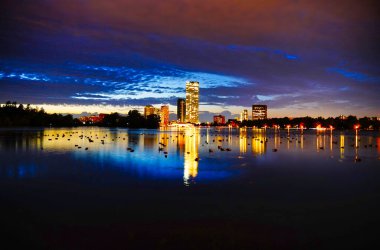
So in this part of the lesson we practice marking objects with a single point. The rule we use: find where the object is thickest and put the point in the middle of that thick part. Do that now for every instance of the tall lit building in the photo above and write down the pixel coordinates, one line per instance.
(181, 110)
(149, 110)
(164, 115)
(259, 112)
(192, 102)
(245, 115)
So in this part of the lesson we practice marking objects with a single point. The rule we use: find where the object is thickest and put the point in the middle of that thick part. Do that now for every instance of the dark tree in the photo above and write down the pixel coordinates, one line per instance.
(152, 121)
(135, 119)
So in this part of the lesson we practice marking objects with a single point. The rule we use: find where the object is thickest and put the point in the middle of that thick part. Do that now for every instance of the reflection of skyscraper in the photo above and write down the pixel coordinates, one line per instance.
(181, 110)
(150, 141)
(243, 140)
(180, 143)
(259, 112)
(164, 115)
(192, 140)
(258, 142)
(192, 102)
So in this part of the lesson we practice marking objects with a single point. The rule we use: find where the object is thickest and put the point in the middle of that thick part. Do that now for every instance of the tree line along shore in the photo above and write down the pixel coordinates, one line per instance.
(18, 115)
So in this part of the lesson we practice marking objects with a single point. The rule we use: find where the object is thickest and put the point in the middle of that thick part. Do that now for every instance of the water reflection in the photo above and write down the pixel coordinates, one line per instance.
(357, 146)
(259, 141)
(277, 139)
(341, 145)
(189, 154)
(243, 140)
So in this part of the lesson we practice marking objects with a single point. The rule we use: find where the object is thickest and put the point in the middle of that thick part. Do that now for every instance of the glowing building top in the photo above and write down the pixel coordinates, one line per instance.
(148, 110)
(259, 112)
(192, 102)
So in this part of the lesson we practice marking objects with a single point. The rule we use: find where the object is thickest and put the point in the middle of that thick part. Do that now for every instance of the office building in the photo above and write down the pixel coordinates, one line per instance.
(192, 102)
(181, 110)
(245, 115)
(259, 112)
(149, 110)
(164, 116)
(219, 119)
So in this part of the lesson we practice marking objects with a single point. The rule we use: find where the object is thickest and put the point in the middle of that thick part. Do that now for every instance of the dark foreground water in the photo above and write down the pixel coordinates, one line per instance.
(95, 188)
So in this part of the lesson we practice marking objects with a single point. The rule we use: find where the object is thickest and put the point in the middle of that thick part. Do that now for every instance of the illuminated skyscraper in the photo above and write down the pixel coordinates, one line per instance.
(192, 102)
(149, 110)
(181, 110)
(259, 112)
(245, 115)
(164, 115)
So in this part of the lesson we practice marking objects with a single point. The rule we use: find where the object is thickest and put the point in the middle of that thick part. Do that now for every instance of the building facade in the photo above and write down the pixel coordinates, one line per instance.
(149, 110)
(219, 119)
(92, 119)
(164, 115)
(181, 110)
(192, 102)
(259, 112)
(245, 115)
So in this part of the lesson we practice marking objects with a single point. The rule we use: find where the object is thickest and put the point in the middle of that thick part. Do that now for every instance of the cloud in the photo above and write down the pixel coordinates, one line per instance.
(291, 55)
(361, 77)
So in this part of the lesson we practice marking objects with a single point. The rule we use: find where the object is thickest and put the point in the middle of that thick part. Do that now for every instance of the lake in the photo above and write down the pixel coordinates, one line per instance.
(212, 188)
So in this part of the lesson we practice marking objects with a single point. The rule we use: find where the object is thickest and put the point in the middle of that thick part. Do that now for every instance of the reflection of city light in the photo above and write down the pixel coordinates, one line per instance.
(192, 140)
(341, 146)
(258, 142)
(243, 140)
(320, 142)
(277, 140)
(356, 145)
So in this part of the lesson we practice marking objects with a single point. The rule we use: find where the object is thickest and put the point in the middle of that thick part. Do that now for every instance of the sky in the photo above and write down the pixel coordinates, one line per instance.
(316, 58)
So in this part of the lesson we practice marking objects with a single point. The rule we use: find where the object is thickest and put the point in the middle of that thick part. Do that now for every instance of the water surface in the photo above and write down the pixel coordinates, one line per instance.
(213, 188)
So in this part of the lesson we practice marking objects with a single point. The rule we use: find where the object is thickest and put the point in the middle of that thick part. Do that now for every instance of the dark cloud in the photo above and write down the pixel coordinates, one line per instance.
(314, 56)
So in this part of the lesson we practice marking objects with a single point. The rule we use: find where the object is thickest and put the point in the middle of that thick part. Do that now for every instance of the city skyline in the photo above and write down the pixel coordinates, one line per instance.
(299, 58)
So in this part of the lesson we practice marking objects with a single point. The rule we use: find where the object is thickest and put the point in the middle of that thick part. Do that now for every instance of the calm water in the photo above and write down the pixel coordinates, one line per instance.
(184, 155)
(160, 187)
